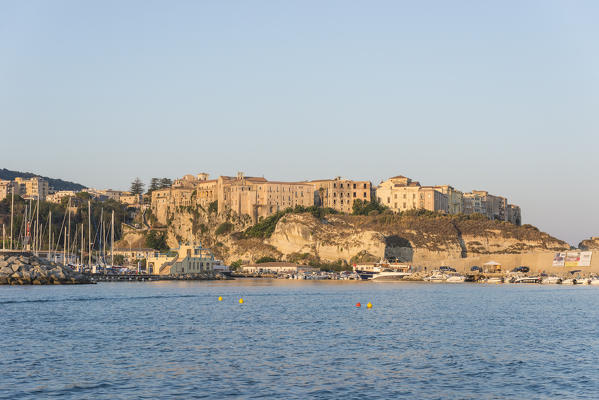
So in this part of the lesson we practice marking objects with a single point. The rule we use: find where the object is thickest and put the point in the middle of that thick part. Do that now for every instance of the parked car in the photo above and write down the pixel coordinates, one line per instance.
(445, 268)
(476, 268)
(522, 269)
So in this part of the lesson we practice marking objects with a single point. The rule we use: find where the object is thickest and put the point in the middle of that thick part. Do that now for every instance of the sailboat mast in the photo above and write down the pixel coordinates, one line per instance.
(89, 232)
(3, 238)
(12, 212)
(37, 227)
(112, 241)
(49, 235)
(64, 248)
(69, 225)
(82, 244)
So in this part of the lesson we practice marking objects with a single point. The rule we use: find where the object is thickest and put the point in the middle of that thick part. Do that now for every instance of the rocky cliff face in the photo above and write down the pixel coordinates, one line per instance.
(589, 244)
(348, 238)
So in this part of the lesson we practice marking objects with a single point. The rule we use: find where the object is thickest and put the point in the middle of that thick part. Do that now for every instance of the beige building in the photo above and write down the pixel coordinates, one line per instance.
(58, 196)
(260, 198)
(31, 188)
(5, 189)
(187, 259)
(340, 194)
(399, 194)
(454, 198)
(252, 196)
(433, 200)
(277, 268)
(132, 200)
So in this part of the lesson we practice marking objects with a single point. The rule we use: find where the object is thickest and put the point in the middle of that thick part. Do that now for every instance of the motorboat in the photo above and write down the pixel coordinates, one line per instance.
(568, 281)
(389, 275)
(437, 276)
(551, 280)
(456, 279)
(581, 281)
(528, 279)
(594, 281)
(494, 279)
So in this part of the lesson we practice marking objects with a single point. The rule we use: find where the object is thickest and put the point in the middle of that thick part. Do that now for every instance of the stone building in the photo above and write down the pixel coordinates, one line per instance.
(5, 189)
(31, 188)
(400, 193)
(260, 198)
(340, 194)
(454, 198)
(58, 196)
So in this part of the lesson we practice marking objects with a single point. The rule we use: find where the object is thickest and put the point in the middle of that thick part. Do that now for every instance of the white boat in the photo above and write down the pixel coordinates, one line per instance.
(551, 280)
(581, 281)
(494, 279)
(436, 277)
(594, 281)
(389, 275)
(568, 281)
(456, 279)
(528, 279)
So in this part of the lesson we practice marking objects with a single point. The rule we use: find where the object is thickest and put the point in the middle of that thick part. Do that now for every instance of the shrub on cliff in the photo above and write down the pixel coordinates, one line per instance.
(224, 228)
(266, 259)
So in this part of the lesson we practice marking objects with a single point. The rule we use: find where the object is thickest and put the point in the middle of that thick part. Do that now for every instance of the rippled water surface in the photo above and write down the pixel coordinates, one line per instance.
(299, 340)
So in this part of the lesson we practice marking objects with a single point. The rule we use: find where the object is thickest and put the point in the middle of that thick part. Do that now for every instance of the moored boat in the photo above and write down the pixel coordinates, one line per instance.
(456, 279)
(551, 280)
(528, 279)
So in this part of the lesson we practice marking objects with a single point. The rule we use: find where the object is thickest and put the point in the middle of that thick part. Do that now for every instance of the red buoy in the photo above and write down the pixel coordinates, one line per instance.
(358, 305)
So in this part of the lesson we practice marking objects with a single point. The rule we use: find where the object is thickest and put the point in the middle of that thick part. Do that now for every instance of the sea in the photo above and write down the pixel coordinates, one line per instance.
(299, 340)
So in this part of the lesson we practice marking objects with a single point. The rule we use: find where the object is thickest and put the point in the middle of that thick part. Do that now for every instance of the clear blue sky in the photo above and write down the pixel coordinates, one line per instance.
(501, 96)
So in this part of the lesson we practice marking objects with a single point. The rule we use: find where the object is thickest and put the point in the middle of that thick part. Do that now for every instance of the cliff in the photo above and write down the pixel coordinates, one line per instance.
(342, 239)
(589, 244)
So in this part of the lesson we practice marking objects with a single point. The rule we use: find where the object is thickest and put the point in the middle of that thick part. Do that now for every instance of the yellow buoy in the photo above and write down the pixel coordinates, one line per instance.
(240, 301)
(369, 305)
(220, 298)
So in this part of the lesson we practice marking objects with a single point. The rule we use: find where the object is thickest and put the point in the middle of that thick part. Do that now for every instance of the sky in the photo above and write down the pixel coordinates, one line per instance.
(497, 96)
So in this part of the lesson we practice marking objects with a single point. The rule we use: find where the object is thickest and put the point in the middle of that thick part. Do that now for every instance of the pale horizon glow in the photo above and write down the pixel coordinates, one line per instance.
(500, 97)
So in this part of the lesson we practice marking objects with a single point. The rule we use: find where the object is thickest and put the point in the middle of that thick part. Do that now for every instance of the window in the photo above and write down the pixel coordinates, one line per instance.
(354, 185)
(365, 195)
(340, 194)
(334, 185)
(388, 200)
(354, 194)
(364, 186)
(395, 206)
(342, 201)
(395, 196)
(341, 185)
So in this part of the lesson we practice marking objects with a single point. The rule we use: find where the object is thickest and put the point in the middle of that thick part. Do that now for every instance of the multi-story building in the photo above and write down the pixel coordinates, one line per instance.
(433, 200)
(454, 198)
(32, 188)
(514, 214)
(340, 194)
(260, 198)
(58, 196)
(5, 189)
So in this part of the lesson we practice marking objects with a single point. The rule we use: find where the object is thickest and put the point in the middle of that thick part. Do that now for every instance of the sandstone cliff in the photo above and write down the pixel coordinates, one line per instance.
(343, 239)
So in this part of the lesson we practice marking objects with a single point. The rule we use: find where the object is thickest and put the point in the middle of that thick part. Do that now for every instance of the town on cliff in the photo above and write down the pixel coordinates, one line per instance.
(331, 224)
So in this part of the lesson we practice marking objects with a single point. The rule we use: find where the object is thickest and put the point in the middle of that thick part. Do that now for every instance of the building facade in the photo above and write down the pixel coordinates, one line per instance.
(340, 194)
(31, 188)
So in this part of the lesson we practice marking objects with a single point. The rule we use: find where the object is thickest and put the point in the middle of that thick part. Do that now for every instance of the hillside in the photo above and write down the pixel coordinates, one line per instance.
(321, 238)
(57, 184)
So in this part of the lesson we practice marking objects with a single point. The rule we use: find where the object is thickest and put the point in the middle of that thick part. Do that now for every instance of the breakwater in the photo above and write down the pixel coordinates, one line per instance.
(27, 269)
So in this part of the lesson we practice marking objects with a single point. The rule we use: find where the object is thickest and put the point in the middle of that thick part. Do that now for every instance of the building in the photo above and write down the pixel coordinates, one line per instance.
(340, 194)
(32, 188)
(252, 196)
(433, 200)
(277, 268)
(454, 198)
(399, 193)
(131, 200)
(5, 189)
(132, 254)
(260, 198)
(514, 214)
(187, 259)
(473, 203)
(58, 196)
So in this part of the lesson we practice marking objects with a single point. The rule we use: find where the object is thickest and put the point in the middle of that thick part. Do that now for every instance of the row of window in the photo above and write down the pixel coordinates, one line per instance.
(349, 185)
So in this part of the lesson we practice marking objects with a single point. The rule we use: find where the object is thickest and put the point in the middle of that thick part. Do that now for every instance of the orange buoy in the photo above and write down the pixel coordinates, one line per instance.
(358, 305)
(369, 305)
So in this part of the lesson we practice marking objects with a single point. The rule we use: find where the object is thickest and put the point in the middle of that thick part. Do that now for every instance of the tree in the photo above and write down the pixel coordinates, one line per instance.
(137, 186)
(165, 183)
(154, 185)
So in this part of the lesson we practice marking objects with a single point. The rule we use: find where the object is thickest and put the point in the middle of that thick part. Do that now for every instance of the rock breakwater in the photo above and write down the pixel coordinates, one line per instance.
(26, 269)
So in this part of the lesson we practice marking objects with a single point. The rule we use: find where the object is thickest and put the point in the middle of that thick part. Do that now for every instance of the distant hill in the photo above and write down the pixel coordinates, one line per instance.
(57, 184)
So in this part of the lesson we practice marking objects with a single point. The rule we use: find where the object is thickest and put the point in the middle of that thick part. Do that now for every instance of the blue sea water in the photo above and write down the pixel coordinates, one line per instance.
(299, 340)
